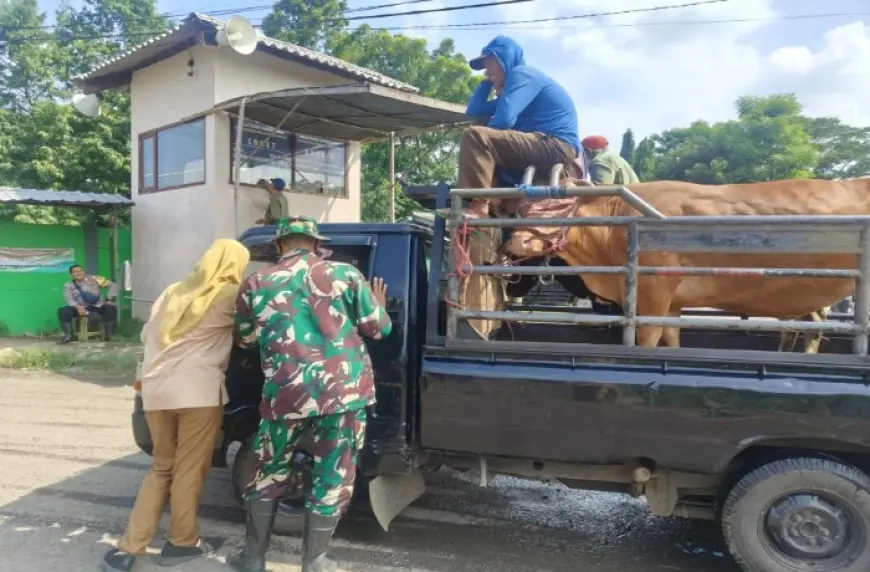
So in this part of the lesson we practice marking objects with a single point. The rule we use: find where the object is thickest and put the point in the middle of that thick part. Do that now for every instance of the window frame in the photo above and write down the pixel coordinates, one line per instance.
(292, 167)
(152, 135)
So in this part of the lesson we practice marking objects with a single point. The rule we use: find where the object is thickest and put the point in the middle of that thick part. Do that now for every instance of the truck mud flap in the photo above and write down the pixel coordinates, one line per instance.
(389, 495)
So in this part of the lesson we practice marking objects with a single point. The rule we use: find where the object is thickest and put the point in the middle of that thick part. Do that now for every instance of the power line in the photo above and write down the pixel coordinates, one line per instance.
(486, 26)
(240, 9)
(446, 9)
(576, 17)
(392, 5)
(256, 8)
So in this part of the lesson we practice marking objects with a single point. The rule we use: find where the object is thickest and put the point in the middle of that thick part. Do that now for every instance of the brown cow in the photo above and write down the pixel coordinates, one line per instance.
(779, 297)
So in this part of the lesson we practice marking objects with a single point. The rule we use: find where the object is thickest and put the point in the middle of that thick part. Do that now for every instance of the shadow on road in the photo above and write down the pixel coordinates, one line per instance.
(515, 525)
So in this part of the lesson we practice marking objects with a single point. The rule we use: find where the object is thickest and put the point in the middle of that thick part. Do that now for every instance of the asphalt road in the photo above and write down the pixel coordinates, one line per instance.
(69, 472)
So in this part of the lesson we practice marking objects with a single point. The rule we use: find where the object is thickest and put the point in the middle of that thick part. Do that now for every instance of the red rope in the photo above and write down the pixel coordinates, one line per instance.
(461, 258)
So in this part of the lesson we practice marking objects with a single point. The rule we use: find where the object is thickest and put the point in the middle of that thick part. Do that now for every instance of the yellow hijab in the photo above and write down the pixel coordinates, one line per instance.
(217, 275)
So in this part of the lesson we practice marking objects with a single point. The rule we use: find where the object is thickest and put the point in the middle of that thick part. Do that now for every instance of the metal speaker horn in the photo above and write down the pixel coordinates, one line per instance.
(88, 105)
(240, 35)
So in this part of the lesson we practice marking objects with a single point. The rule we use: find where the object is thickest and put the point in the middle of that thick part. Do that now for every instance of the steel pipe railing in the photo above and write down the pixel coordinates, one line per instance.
(654, 220)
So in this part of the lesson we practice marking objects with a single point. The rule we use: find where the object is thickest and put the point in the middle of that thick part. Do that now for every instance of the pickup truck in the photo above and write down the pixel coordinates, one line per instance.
(776, 446)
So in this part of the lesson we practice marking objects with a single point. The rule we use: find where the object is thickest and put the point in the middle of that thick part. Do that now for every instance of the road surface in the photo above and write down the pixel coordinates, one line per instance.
(70, 472)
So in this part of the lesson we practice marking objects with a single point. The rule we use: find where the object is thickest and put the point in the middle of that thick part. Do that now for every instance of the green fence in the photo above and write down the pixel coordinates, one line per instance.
(29, 298)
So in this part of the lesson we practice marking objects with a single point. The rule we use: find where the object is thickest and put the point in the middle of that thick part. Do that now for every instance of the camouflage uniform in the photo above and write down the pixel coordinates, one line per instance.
(307, 314)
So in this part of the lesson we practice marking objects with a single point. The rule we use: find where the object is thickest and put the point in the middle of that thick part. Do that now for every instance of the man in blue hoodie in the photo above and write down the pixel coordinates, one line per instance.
(531, 121)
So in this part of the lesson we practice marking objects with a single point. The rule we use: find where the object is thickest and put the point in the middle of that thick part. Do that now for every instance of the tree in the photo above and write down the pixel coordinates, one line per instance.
(47, 145)
(768, 141)
(311, 24)
(442, 73)
(627, 150)
(844, 151)
(29, 55)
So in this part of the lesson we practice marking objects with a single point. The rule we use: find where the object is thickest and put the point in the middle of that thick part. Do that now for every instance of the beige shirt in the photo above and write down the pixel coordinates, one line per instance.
(190, 371)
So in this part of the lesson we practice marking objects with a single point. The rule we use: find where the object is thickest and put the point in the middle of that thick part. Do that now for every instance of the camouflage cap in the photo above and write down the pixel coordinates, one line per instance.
(301, 224)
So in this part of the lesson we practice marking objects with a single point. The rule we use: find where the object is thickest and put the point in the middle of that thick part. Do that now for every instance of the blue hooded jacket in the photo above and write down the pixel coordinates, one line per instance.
(531, 102)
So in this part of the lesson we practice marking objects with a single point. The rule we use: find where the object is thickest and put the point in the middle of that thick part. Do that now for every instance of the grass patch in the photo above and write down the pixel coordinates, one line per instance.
(62, 361)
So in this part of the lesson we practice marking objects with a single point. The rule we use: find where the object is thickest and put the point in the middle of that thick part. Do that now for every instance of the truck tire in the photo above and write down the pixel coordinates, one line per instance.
(800, 515)
(287, 521)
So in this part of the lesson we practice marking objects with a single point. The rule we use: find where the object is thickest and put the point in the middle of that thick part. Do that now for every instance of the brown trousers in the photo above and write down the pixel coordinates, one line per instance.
(482, 151)
(183, 447)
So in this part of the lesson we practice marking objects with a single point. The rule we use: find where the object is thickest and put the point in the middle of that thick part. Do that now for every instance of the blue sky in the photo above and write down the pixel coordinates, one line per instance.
(653, 71)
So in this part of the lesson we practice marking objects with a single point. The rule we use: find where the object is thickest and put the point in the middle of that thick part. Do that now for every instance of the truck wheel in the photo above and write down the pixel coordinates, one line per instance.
(287, 521)
(800, 515)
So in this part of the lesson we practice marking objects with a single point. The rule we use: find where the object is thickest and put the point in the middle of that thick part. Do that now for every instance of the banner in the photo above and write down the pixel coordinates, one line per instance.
(36, 259)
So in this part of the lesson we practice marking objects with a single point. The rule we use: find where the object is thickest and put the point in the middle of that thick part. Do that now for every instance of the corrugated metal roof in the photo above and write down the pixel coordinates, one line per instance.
(60, 198)
(184, 30)
(363, 113)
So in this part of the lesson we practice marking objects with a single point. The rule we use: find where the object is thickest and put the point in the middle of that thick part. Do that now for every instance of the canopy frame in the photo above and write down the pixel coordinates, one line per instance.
(415, 115)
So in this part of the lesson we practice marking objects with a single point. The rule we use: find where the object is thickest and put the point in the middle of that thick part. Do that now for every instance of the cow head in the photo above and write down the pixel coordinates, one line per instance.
(540, 240)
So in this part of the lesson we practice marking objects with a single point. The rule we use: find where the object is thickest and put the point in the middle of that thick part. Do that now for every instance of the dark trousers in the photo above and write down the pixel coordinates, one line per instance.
(108, 312)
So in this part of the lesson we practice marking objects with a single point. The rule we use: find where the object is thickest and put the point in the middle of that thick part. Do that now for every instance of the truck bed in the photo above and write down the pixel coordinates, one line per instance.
(684, 409)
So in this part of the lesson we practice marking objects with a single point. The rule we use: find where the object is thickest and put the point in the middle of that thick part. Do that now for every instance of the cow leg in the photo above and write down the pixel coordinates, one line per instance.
(671, 336)
(788, 341)
(813, 340)
(650, 336)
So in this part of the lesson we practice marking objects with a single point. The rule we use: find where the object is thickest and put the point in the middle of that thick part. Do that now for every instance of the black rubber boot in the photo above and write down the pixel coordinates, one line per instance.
(110, 330)
(67, 332)
(258, 531)
(315, 543)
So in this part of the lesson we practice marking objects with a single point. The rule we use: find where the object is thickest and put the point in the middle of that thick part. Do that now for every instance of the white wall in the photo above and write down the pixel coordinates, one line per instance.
(172, 229)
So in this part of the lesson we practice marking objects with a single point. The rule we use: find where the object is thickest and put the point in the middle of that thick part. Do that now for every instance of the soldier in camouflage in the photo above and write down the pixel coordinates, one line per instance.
(307, 314)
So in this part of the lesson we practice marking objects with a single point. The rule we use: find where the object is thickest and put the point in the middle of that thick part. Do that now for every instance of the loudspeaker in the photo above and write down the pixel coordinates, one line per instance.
(240, 35)
(88, 105)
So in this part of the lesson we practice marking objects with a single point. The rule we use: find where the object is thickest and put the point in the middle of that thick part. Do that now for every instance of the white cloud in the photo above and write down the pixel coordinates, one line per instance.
(635, 70)
(652, 77)
(835, 80)
(643, 71)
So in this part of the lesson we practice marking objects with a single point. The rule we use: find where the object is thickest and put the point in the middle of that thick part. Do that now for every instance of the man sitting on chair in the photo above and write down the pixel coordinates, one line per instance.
(83, 294)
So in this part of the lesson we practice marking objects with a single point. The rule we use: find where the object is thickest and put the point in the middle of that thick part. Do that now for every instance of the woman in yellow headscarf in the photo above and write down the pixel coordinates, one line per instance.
(187, 341)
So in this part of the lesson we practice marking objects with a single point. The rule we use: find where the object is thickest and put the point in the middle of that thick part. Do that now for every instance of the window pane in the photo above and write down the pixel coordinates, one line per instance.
(147, 166)
(181, 155)
(320, 166)
(266, 153)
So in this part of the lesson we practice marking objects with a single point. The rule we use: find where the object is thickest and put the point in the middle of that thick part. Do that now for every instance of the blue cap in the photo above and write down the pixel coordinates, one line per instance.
(279, 184)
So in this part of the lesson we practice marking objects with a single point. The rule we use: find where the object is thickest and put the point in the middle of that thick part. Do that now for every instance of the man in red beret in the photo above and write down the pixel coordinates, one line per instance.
(606, 167)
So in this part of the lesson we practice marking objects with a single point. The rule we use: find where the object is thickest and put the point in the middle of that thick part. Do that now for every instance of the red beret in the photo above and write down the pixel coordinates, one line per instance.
(595, 142)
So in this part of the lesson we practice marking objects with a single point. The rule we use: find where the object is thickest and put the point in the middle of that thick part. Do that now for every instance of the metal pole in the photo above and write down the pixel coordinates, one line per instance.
(116, 271)
(456, 216)
(392, 177)
(631, 265)
(237, 166)
(861, 315)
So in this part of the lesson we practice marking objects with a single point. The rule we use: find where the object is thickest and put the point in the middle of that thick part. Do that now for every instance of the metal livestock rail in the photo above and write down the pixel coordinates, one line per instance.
(655, 232)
